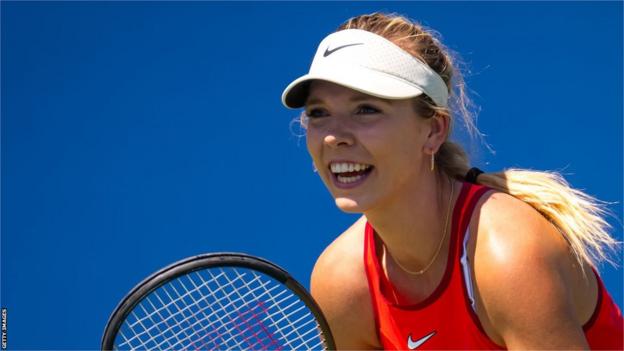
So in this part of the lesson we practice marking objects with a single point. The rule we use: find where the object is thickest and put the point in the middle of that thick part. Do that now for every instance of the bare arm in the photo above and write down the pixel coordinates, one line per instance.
(522, 271)
(339, 285)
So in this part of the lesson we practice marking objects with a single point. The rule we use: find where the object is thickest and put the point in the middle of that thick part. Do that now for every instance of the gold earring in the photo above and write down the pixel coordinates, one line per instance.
(432, 161)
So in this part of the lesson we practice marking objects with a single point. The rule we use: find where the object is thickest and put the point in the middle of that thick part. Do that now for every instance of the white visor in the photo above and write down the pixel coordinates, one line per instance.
(370, 64)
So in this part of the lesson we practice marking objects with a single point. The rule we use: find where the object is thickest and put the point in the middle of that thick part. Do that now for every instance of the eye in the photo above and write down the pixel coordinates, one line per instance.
(367, 110)
(316, 112)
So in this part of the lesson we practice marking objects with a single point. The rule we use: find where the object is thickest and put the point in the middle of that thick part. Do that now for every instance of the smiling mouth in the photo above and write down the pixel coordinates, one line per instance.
(347, 173)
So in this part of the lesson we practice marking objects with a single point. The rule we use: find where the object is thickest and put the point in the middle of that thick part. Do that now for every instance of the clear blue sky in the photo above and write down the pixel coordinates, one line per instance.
(135, 134)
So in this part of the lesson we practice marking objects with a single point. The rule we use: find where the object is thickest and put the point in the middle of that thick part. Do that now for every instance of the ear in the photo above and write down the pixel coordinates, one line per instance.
(438, 130)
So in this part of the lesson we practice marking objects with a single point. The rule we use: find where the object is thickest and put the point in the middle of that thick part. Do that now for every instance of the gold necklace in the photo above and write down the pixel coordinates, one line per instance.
(448, 211)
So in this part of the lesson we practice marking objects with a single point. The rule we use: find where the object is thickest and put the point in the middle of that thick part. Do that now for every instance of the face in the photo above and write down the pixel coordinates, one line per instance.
(368, 151)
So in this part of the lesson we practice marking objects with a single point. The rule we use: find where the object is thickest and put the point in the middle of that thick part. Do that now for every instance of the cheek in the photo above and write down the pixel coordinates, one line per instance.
(313, 143)
(397, 148)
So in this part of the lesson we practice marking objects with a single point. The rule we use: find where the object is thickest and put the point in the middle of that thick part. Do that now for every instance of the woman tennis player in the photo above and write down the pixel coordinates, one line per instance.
(445, 256)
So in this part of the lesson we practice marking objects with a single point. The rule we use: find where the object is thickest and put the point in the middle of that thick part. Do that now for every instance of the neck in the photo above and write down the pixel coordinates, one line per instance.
(412, 224)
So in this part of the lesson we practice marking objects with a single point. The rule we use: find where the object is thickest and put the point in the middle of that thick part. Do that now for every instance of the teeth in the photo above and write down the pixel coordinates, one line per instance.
(348, 179)
(348, 167)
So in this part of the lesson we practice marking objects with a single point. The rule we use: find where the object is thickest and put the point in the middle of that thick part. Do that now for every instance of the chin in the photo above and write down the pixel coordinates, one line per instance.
(348, 205)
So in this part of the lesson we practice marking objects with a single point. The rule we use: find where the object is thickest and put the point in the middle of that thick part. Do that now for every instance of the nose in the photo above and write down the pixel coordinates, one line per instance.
(336, 140)
(338, 136)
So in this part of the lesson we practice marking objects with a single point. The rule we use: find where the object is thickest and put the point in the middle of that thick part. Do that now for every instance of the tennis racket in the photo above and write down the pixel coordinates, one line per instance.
(221, 301)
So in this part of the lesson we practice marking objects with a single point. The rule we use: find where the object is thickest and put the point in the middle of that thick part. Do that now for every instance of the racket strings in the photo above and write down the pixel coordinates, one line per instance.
(192, 315)
(144, 336)
(209, 339)
(196, 303)
(167, 321)
(221, 309)
(174, 330)
(273, 344)
(268, 293)
(159, 309)
(151, 318)
(221, 324)
(287, 319)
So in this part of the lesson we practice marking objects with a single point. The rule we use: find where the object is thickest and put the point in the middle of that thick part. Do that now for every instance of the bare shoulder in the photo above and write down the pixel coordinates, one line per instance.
(514, 237)
(524, 272)
(340, 287)
(513, 230)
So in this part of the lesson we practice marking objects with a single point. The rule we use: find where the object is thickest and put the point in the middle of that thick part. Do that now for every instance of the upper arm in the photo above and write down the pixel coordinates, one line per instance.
(519, 272)
(338, 284)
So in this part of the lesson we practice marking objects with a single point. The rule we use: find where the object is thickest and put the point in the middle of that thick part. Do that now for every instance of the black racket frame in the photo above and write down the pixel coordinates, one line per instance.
(210, 260)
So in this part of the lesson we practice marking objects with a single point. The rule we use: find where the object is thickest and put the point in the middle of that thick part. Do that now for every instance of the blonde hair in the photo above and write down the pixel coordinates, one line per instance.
(578, 216)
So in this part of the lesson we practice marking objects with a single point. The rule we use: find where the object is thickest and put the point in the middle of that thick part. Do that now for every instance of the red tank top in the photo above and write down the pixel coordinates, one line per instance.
(446, 319)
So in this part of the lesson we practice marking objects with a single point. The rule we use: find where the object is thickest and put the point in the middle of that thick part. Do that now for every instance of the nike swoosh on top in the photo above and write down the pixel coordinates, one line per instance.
(329, 52)
(411, 344)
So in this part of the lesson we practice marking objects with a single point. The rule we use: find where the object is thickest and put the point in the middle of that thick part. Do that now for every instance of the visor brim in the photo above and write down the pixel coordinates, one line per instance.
(361, 79)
